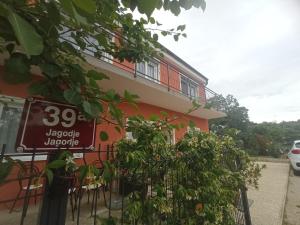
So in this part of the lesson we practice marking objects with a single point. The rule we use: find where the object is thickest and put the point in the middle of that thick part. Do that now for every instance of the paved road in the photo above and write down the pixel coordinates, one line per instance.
(292, 207)
(269, 199)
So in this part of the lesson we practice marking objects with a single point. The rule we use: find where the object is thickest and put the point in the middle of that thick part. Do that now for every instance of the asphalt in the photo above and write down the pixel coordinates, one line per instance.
(269, 199)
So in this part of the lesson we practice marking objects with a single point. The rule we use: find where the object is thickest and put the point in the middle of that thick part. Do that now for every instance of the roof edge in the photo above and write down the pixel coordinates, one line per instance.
(176, 57)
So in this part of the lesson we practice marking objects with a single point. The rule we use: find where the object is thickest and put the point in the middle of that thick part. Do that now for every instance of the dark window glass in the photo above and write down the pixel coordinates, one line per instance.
(184, 85)
(140, 67)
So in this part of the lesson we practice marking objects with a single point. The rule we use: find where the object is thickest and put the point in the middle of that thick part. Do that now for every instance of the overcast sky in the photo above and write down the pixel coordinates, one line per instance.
(247, 48)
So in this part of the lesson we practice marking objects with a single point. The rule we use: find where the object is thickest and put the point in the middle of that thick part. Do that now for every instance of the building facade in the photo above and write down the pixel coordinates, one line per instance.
(167, 84)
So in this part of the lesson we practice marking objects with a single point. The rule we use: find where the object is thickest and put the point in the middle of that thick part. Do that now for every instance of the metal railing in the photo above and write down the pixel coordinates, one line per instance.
(171, 82)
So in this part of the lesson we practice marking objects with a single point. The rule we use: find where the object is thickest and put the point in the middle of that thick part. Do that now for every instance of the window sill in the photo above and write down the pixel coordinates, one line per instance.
(28, 158)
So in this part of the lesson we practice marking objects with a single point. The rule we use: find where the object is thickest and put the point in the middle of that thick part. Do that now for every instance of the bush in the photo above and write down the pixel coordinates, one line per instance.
(195, 181)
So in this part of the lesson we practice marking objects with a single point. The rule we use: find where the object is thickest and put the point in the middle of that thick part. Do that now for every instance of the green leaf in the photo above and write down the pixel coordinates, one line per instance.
(107, 171)
(69, 8)
(5, 169)
(164, 114)
(93, 109)
(96, 75)
(176, 37)
(49, 175)
(152, 20)
(17, 69)
(192, 124)
(196, 104)
(181, 27)
(164, 33)
(200, 3)
(76, 73)
(103, 136)
(159, 4)
(83, 170)
(147, 6)
(67, 5)
(54, 13)
(154, 117)
(129, 97)
(51, 70)
(116, 113)
(64, 155)
(88, 6)
(175, 8)
(87, 107)
(26, 34)
(38, 88)
(112, 96)
(186, 4)
(118, 129)
(94, 84)
(10, 48)
(56, 164)
(72, 96)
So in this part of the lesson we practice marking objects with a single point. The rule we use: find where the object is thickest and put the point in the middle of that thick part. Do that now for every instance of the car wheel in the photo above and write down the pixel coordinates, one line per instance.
(296, 173)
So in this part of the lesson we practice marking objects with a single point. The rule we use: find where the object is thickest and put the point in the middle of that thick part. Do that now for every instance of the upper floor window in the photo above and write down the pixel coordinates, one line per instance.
(189, 87)
(149, 70)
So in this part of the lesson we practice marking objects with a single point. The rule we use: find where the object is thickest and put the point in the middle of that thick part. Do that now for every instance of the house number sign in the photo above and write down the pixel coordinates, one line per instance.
(46, 126)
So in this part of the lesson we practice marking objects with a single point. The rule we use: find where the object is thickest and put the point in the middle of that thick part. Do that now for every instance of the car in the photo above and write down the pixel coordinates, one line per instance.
(294, 156)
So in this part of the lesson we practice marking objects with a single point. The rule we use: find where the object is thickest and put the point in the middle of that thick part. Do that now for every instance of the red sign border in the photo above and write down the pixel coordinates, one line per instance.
(23, 148)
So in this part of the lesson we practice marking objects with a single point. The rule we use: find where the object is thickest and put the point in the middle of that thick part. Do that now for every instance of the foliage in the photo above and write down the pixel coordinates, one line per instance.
(273, 139)
(195, 181)
(221, 169)
(56, 35)
(6, 166)
(237, 116)
(64, 165)
(265, 139)
(151, 147)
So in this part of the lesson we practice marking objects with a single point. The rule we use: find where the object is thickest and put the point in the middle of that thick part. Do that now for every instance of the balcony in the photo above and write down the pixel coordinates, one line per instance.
(162, 88)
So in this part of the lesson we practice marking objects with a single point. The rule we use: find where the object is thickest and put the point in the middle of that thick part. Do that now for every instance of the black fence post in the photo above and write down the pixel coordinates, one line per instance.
(246, 206)
(244, 198)
(54, 205)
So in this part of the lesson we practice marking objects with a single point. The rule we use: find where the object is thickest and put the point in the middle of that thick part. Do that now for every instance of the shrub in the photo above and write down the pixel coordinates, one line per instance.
(196, 181)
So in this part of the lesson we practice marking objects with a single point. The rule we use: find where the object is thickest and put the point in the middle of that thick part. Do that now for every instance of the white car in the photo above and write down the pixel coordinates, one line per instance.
(294, 156)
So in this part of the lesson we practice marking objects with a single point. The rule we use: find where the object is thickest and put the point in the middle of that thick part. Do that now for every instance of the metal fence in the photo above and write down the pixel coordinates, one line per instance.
(84, 202)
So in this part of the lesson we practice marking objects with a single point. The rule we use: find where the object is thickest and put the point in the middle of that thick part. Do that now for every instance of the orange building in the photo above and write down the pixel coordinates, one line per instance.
(168, 84)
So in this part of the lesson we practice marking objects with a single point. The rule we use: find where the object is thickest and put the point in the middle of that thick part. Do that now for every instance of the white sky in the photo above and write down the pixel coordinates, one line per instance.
(248, 48)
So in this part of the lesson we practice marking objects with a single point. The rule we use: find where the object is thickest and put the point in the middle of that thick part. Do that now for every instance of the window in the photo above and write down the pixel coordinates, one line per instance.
(91, 50)
(10, 116)
(170, 135)
(141, 67)
(189, 129)
(184, 85)
(189, 87)
(193, 90)
(297, 144)
(106, 57)
(149, 70)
